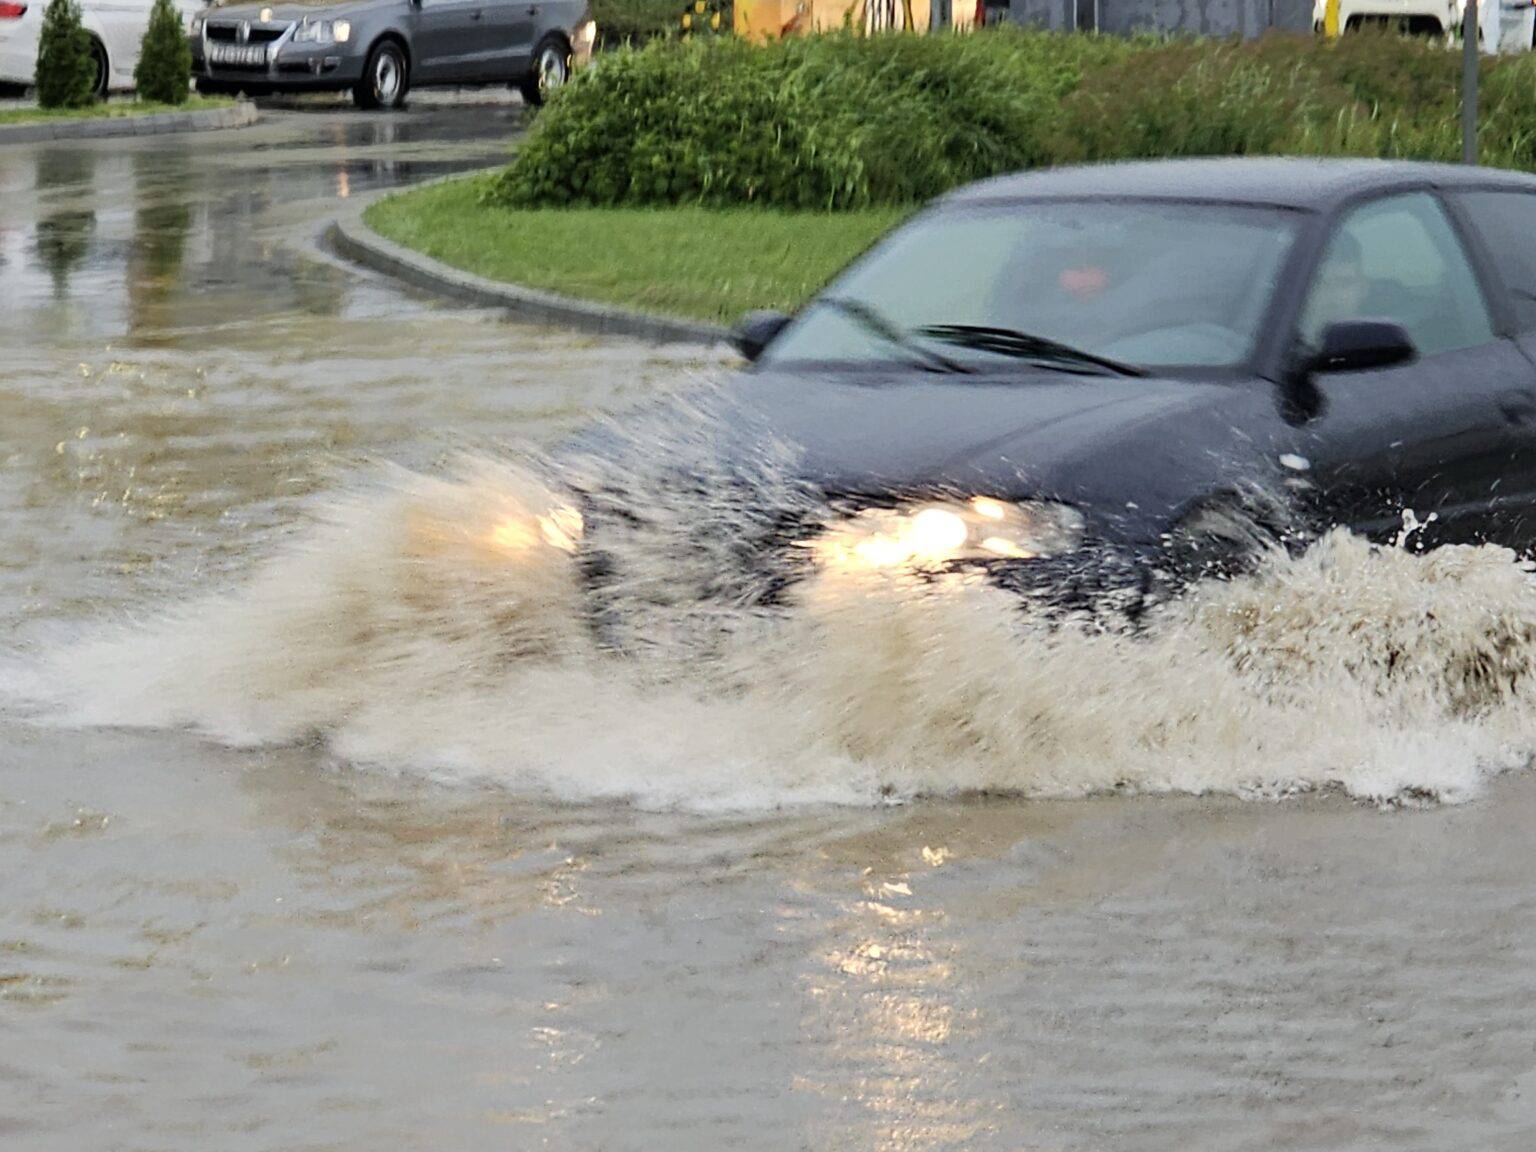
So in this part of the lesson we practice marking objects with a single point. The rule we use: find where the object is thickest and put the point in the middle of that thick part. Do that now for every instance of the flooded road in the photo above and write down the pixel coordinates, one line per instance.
(209, 947)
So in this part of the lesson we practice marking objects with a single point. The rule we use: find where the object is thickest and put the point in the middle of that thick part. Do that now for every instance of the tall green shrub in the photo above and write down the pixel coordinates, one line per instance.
(832, 121)
(65, 72)
(164, 71)
(843, 121)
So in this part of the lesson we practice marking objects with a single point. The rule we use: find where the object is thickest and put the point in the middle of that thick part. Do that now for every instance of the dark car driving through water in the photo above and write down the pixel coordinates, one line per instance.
(380, 49)
(1170, 360)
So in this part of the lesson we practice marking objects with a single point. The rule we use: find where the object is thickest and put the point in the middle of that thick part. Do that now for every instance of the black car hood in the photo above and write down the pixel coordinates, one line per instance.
(913, 430)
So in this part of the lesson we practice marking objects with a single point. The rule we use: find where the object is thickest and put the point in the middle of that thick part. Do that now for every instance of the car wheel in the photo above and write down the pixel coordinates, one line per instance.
(100, 75)
(385, 78)
(551, 69)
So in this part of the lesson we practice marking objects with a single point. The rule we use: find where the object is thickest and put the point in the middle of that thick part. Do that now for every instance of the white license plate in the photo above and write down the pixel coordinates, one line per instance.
(245, 55)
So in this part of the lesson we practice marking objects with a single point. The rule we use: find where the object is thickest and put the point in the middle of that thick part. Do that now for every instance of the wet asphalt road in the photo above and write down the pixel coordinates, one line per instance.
(175, 343)
(136, 240)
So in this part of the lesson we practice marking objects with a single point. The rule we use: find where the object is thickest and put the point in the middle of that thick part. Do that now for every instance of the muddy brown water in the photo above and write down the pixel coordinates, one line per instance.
(207, 947)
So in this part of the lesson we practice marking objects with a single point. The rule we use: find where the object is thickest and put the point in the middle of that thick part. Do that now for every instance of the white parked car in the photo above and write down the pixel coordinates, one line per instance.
(1422, 17)
(116, 27)
(1503, 25)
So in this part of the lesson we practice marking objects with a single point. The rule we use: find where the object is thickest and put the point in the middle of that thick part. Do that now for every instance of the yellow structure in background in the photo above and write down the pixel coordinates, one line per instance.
(764, 20)
(1331, 18)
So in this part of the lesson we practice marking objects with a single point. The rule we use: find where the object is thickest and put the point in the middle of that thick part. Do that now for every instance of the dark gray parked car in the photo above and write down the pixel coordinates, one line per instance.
(380, 49)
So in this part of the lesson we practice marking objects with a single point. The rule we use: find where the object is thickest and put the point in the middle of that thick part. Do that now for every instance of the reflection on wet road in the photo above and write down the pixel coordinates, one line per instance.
(210, 948)
(145, 242)
(182, 363)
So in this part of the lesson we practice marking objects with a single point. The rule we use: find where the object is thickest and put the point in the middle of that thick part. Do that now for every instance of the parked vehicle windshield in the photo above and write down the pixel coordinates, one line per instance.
(1085, 286)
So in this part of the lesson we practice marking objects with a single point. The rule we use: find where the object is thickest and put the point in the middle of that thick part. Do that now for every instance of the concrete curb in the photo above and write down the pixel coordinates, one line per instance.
(154, 124)
(350, 238)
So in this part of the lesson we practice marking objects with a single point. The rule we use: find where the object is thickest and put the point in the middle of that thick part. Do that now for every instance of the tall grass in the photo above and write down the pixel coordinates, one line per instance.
(826, 122)
(840, 121)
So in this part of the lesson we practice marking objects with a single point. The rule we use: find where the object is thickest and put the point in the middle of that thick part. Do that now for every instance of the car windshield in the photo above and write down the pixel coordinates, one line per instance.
(1088, 286)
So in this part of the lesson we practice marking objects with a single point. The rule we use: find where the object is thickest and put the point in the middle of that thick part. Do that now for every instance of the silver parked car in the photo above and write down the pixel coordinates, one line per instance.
(380, 49)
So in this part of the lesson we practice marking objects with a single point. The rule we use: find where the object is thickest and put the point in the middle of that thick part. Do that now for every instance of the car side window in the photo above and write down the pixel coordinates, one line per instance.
(1507, 223)
(1399, 259)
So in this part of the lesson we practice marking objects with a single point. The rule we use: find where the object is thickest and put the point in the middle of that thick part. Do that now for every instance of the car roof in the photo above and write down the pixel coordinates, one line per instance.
(1291, 182)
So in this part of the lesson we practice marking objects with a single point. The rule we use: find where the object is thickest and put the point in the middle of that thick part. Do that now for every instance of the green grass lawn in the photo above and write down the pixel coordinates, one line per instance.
(709, 264)
(110, 110)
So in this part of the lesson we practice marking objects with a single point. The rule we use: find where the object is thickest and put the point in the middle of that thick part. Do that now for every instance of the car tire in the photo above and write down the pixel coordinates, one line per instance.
(386, 78)
(101, 74)
(551, 69)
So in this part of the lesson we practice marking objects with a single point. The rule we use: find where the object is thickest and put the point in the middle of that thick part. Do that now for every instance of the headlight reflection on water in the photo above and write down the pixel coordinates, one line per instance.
(931, 535)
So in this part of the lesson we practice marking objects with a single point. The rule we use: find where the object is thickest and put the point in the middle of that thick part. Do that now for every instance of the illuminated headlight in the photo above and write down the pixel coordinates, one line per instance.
(323, 32)
(930, 535)
(587, 33)
(560, 527)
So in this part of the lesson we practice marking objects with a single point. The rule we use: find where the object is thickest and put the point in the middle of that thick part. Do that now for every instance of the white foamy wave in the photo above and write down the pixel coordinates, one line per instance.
(445, 626)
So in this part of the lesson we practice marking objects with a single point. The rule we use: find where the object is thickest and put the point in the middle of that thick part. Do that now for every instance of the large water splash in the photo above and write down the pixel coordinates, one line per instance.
(450, 626)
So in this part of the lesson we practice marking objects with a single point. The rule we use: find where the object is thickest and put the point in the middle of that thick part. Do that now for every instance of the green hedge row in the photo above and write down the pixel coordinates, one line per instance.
(841, 121)
(66, 68)
(828, 121)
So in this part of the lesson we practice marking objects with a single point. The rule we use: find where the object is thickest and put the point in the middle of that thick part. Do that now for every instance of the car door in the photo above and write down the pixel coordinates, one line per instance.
(448, 40)
(509, 26)
(1503, 222)
(1436, 437)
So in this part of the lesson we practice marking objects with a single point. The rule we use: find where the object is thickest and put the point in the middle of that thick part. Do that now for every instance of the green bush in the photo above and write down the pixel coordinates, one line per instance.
(841, 121)
(834, 121)
(1364, 94)
(66, 74)
(164, 71)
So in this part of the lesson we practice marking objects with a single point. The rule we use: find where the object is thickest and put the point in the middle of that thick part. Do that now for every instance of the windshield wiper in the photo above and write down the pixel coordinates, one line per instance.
(871, 321)
(1023, 346)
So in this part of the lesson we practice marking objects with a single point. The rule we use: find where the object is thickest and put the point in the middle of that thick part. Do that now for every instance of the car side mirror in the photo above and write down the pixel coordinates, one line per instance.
(755, 330)
(1361, 345)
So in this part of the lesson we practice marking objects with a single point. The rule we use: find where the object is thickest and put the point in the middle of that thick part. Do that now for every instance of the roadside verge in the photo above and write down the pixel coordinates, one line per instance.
(238, 115)
(349, 237)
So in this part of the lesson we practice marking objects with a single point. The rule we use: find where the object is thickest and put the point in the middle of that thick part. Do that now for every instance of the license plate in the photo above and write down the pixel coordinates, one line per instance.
(244, 55)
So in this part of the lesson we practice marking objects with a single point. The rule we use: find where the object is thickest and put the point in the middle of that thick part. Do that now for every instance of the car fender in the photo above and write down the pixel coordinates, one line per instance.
(118, 25)
(373, 33)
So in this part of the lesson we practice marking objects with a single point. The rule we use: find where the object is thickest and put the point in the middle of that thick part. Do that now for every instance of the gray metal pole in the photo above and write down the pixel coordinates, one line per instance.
(1469, 82)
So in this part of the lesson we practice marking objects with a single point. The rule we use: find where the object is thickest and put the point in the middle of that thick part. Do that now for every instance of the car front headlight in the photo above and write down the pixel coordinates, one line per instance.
(322, 32)
(196, 27)
(944, 532)
(587, 33)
